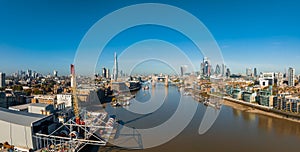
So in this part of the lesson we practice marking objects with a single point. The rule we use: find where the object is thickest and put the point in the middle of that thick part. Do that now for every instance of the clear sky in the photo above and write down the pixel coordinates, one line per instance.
(44, 35)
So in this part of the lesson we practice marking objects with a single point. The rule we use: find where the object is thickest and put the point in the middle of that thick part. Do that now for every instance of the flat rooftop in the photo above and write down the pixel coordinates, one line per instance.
(19, 117)
(39, 104)
(21, 107)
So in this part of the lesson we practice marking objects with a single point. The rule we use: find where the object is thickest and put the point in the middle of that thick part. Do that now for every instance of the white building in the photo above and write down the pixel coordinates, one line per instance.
(279, 78)
(64, 98)
(55, 73)
(263, 83)
(270, 76)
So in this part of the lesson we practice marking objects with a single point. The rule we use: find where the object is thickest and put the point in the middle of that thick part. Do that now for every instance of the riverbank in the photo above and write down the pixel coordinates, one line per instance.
(258, 109)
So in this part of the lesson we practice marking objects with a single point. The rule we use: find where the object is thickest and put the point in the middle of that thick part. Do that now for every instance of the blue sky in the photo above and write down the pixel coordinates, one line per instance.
(44, 35)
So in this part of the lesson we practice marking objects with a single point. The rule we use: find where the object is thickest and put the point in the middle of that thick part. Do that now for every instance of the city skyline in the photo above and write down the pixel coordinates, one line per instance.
(35, 34)
(149, 75)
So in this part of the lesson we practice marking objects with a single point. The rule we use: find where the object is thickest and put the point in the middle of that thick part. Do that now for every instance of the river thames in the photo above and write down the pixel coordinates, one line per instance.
(233, 130)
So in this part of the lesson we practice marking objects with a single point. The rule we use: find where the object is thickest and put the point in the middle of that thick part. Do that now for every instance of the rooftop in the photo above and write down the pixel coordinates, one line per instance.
(19, 117)
(39, 104)
(20, 107)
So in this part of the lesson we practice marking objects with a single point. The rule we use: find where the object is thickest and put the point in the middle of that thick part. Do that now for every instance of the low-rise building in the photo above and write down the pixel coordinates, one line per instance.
(286, 102)
(41, 108)
(249, 96)
(47, 99)
(292, 104)
(9, 98)
(237, 94)
(265, 98)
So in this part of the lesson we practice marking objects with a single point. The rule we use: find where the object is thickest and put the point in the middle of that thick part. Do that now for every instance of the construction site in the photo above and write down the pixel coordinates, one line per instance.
(67, 130)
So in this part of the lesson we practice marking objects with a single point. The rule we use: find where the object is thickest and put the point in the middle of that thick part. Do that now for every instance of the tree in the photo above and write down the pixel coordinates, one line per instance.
(28, 92)
(17, 88)
(37, 91)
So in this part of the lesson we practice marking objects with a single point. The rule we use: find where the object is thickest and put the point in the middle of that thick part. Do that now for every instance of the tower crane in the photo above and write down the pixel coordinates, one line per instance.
(75, 99)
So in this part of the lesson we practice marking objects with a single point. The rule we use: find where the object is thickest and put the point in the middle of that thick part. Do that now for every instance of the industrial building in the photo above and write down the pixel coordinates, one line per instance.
(17, 127)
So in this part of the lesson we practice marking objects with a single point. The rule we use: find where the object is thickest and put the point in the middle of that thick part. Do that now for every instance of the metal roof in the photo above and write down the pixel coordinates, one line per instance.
(19, 117)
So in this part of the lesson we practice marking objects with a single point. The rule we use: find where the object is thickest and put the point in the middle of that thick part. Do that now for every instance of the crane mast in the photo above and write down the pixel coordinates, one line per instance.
(75, 99)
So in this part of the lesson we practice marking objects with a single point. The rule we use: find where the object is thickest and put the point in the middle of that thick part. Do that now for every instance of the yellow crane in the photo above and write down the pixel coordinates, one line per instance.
(75, 99)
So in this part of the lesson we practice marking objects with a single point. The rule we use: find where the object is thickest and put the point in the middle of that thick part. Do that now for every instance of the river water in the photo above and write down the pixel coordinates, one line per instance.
(233, 130)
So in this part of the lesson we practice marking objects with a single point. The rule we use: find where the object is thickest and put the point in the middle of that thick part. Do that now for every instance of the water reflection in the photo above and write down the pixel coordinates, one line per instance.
(248, 116)
(236, 113)
(279, 127)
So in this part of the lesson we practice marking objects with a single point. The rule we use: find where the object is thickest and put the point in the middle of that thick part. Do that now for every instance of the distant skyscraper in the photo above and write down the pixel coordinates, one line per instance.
(218, 70)
(255, 72)
(55, 73)
(34, 74)
(28, 73)
(2, 80)
(211, 71)
(121, 74)
(108, 74)
(285, 73)
(223, 70)
(228, 73)
(249, 72)
(104, 73)
(291, 76)
(115, 69)
(183, 69)
(205, 67)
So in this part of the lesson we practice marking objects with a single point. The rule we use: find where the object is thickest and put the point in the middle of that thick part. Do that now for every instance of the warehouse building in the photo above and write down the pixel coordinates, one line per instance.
(17, 127)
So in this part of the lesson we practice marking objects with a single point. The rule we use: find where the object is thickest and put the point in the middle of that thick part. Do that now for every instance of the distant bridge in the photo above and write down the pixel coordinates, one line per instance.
(164, 79)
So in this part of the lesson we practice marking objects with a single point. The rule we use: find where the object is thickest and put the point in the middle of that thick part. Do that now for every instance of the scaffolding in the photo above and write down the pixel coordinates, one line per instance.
(72, 137)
